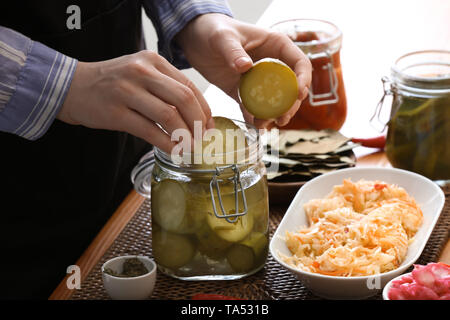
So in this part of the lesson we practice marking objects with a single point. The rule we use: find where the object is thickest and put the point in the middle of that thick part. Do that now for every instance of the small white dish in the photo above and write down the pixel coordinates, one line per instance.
(428, 195)
(133, 288)
(387, 287)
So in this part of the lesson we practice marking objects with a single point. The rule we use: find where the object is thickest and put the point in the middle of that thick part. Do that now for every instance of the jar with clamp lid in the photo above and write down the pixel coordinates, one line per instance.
(209, 222)
(326, 104)
(419, 123)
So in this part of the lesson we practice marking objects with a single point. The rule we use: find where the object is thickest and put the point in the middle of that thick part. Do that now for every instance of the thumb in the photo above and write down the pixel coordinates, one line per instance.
(235, 55)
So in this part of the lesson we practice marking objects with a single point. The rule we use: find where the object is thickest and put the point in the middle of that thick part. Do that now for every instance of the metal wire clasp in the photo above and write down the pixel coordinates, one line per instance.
(376, 121)
(231, 218)
(333, 97)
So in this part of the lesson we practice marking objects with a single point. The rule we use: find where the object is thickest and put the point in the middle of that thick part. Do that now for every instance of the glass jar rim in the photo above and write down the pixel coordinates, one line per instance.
(253, 153)
(404, 76)
(323, 41)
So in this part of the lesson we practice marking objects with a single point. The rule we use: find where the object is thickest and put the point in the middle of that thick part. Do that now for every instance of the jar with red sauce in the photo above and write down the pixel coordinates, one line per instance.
(326, 104)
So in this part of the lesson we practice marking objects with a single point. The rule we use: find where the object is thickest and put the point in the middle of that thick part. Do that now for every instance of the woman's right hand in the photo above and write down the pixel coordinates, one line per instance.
(139, 94)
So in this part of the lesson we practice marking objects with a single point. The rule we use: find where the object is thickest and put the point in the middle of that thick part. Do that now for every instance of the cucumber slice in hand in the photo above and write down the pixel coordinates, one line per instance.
(169, 205)
(268, 89)
(172, 250)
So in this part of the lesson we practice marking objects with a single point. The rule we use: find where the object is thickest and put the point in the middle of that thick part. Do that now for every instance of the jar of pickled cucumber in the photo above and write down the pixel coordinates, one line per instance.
(419, 126)
(209, 221)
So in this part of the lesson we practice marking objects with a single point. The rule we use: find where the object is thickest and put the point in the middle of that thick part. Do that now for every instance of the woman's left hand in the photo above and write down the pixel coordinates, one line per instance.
(222, 48)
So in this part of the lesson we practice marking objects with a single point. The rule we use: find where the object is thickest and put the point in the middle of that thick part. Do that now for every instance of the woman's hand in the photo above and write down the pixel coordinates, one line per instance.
(222, 48)
(139, 94)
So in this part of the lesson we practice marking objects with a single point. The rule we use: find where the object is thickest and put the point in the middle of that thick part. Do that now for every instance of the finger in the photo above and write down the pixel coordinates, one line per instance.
(168, 69)
(248, 117)
(299, 62)
(261, 123)
(229, 46)
(180, 96)
(156, 110)
(281, 47)
(285, 118)
(135, 124)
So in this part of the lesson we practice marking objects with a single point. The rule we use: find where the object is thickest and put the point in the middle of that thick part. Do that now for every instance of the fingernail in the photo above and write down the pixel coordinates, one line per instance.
(210, 124)
(242, 62)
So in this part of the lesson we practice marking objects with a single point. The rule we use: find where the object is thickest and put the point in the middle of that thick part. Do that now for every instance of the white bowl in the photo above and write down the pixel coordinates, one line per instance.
(134, 288)
(387, 287)
(427, 194)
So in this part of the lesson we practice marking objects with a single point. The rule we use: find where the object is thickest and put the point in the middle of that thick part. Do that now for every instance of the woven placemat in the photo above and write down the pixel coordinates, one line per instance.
(271, 282)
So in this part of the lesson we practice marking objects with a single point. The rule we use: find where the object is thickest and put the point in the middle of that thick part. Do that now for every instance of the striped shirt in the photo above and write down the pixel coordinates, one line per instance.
(34, 79)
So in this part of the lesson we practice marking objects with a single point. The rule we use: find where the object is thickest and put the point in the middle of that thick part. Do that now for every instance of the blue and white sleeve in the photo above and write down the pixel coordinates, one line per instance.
(170, 16)
(34, 80)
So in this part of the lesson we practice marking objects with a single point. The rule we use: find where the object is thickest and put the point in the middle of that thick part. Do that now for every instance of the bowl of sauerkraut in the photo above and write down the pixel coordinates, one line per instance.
(348, 233)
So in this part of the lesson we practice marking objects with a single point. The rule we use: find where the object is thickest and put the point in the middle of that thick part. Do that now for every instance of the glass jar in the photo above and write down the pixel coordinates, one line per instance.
(419, 126)
(326, 104)
(208, 222)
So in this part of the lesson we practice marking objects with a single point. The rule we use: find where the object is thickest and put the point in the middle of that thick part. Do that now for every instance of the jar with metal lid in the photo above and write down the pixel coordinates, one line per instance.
(326, 104)
(419, 125)
(209, 222)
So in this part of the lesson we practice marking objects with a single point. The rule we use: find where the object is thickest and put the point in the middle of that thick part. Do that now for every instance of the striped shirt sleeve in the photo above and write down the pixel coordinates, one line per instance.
(34, 81)
(170, 16)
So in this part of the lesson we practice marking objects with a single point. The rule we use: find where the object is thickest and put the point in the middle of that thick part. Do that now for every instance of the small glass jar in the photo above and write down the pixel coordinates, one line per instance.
(419, 126)
(208, 222)
(326, 104)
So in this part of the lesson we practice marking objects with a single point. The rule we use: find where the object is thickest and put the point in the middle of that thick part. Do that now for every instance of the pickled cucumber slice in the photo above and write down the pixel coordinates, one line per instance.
(175, 210)
(168, 205)
(172, 250)
(257, 241)
(224, 144)
(243, 256)
(210, 244)
(232, 232)
(268, 89)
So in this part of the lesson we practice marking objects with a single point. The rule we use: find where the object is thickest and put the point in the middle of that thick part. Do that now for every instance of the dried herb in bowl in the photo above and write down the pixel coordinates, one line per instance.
(132, 267)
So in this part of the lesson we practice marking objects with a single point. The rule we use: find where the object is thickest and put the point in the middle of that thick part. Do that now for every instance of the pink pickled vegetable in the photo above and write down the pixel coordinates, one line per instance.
(430, 282)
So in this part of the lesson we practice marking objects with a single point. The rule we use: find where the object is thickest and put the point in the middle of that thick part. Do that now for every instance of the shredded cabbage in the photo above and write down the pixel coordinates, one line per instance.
(359, 229)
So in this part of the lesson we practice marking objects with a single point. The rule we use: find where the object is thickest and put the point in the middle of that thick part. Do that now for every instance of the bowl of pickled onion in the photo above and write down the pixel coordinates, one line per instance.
(425, 282)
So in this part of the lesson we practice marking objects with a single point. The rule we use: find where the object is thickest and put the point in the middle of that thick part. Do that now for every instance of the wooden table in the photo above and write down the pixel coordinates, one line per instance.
(375, 34)
(128, 208)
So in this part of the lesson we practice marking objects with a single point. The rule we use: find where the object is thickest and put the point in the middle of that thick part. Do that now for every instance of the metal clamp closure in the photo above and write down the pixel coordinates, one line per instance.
(376, 121)
(214, 184)
(317, 99)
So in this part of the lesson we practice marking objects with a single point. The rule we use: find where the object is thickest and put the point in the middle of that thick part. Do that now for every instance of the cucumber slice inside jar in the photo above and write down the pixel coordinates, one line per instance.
(169, 205)
(232, 232)
(210, 244)
(268, 89)
(172, 250)
(243, 256)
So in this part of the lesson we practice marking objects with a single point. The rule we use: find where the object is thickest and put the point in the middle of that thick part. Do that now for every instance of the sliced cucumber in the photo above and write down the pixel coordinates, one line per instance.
(232, 232)
(257, 241)
(232, 148)
(241, 258)
(268, 89)
(244, 256)
(210, 244)
(168, 205)
(172, 250)
(260, 212)
(176, 211)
